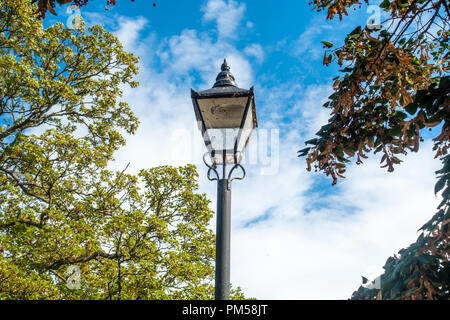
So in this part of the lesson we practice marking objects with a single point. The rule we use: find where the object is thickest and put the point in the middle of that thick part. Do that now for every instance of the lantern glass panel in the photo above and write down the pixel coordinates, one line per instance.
(223, 139)
(247, 130)
(221, 113)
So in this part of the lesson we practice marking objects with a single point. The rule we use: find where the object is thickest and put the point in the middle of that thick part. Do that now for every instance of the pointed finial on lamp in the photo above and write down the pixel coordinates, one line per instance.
(225, 66)
(225, 78)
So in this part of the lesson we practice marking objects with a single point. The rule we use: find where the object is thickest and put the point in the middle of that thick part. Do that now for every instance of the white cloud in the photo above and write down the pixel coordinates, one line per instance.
(194, 51)
(313, 114)
(290, 238)
(308, 46)
(255, 50)
(129, 31)
(227, 14)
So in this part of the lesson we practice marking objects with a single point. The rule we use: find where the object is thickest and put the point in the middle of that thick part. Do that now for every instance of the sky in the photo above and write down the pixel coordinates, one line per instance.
(294, 236)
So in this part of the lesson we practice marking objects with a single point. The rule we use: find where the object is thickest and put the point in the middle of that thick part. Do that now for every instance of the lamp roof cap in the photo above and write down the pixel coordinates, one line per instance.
(225, 78)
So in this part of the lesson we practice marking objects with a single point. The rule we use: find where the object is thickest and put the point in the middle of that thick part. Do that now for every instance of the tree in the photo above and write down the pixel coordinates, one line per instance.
(63, 216)
(394, 85)
(126, 241)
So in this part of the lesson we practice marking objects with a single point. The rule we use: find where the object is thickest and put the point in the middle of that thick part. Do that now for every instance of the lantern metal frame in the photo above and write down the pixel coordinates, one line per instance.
(221, 94)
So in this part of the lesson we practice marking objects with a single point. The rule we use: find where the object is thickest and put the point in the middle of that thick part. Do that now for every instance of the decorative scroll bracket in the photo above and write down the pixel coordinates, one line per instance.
(210, 168)
(213, 167)
(237, 165)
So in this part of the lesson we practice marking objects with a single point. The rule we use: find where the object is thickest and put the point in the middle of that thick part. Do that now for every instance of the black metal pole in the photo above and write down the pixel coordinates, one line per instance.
(223, 231)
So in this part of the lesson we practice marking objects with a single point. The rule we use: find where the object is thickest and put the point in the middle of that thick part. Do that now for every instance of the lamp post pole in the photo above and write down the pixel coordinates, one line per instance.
(223, 226)
(223, 234)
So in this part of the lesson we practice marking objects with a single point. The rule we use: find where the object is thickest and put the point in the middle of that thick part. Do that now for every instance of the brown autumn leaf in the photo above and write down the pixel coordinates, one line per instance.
(326, 59)
(379, 295)
(50, 8)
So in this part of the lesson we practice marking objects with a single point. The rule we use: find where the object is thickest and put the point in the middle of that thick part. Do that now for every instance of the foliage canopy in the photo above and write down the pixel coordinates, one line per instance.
(394, 85)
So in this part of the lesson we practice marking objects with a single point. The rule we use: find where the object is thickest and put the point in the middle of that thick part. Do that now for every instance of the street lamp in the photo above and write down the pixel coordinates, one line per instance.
(226, 116)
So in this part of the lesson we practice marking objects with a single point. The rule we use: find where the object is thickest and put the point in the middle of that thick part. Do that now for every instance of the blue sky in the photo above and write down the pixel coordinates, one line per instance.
(293, 235)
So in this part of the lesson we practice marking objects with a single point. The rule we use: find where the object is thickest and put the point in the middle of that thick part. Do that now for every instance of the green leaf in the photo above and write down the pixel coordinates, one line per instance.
(327, 44)
(440, 184)
(314, 141)
(355, 33)
(444, 83)
(395, 131)
(385, 4)
(404, 4)
(303, 152)
(411, 108)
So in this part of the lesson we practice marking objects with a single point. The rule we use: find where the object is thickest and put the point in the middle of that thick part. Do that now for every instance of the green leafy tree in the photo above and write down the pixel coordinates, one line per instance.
(394, 85)
(131, 237)
(69, 228)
